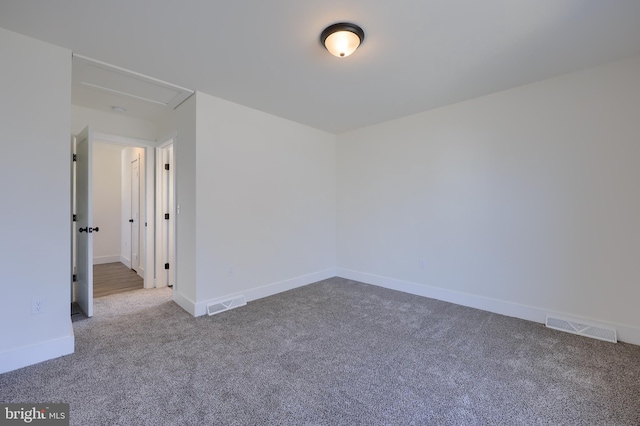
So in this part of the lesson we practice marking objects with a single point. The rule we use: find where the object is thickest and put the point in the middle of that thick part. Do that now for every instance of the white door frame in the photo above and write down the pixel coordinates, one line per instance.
(163, 240)
(148, 195)
(72, 197)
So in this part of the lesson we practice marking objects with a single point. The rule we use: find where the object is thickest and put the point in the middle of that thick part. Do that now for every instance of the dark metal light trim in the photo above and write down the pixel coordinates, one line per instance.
(341, 26)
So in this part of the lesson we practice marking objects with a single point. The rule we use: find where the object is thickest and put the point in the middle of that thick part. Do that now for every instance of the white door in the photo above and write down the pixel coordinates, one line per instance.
(84, 221)
(135, 215)
(165, 276)
(169, 208)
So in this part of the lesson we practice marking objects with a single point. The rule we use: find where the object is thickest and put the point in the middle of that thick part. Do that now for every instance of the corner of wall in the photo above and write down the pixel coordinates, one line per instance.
(255, 293)
(185, 303)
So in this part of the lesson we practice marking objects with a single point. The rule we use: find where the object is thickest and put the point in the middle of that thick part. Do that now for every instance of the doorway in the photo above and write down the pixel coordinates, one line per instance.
(118, 226)
(152, 101)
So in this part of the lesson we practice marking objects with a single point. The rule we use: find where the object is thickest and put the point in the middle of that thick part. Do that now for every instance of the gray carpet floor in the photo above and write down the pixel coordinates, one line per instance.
(330, 353)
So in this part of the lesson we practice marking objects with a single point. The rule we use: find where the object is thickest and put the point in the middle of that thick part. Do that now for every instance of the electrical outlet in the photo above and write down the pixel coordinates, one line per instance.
(37, 307)
(422, 265)
(230, 271)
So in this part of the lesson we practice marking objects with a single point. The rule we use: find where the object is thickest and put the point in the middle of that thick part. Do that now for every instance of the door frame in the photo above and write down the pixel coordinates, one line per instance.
(148, 196)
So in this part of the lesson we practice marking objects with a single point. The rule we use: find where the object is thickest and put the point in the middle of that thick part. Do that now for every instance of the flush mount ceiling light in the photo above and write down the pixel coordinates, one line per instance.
(342, 39)
(118, 109)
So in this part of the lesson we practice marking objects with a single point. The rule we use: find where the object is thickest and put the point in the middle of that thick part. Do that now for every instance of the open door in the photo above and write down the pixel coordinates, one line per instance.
(171, 225)
(135, 215)
(165, 233)
(84, 221)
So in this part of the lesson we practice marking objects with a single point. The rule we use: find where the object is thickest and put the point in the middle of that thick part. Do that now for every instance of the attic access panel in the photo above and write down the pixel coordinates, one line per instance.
(115, 81)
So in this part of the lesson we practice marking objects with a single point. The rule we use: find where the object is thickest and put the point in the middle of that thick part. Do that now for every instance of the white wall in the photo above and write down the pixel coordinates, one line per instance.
(185, 180)
(107, 187)
(166, 128)
(35, 82)
(265, 202)
(128, 155)
(521, 202)
(111, 123)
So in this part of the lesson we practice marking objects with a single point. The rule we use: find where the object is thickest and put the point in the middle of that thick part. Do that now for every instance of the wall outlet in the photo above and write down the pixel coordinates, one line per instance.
(422, 264)
(37, 307)
(230, 271)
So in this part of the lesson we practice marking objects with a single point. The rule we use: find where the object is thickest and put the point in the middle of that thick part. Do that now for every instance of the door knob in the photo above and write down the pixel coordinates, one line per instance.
(131, 220)
(88, 229)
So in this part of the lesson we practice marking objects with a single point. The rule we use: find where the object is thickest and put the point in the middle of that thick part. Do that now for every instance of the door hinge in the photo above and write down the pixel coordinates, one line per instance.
(166, 216)
(166, 266)
(75, 278)
(166, 166)
(75, 217)
(75, 157)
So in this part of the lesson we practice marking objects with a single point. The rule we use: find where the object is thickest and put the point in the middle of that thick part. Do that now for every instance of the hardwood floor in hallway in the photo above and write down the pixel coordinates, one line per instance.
(111, 278)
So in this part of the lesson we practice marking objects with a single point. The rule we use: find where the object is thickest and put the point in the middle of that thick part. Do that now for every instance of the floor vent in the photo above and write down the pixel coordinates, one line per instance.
(225, 305)
(582, 329)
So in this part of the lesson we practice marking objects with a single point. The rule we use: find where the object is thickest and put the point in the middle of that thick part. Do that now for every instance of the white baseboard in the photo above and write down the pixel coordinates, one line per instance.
(255, 293)
(99, 260)
(126, 261)
(159, 284)
(28, 355)
(184, 302)
(150, 283)
(625, 333)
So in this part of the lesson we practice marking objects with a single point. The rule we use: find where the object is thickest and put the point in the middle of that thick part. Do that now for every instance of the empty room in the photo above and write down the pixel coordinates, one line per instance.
(338, 212)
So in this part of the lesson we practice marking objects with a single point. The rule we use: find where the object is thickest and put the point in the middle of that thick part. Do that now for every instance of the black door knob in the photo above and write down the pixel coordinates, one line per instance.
(88, 229)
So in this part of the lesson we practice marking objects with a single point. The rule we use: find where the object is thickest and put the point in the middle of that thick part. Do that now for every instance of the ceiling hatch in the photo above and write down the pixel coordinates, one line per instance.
(95, 79)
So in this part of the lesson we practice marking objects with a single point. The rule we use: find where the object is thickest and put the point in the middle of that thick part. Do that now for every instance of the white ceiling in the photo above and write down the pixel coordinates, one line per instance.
(417, 54)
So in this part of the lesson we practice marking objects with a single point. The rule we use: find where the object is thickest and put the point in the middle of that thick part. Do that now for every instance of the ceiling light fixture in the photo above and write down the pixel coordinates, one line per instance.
(118, 109)
(342, 39)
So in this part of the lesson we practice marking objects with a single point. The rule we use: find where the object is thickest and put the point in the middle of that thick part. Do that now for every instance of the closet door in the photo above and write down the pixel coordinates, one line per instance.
(84, 221)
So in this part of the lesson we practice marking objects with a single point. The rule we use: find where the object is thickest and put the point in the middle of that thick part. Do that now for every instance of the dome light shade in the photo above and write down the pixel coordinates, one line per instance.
(342, 39)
